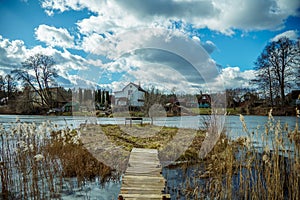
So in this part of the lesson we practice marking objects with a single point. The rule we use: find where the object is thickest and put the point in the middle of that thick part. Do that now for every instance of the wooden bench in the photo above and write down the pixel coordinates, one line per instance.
(130, 119)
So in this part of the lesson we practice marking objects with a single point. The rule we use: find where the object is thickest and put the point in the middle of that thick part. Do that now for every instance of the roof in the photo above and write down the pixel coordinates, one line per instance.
(135, 85)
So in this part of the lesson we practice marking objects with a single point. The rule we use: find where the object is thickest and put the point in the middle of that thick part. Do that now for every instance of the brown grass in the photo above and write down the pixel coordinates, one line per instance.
(36, 159)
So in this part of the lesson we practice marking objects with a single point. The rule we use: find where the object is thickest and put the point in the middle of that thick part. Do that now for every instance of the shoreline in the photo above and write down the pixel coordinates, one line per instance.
(88, 114)
(255, 111)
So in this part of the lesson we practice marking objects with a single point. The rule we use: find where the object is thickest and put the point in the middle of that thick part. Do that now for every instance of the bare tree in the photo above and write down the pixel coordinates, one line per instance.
(277, 67)
(264, 77)
(2, 89)
(9, 85)
(152, 97)
(39, 73)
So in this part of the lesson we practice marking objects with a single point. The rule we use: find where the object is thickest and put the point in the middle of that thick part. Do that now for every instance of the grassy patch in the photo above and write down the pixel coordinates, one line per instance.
(127, 141)
(117, 134)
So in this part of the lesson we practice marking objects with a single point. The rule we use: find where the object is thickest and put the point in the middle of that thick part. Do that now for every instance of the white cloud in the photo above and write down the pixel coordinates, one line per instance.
(79, 82)
(150, 68)
(196, 38)
(209, 46)
(146, 68)
(13, 53)
(170, 9)
(54, 36)
(162, 77)
(98, 44)
(233, 77)
(291, 34)
(111, 18)
(165, 78)
(96, 24)
(60, 5)
(117, 28)
(12, 47)
(289, 6)
(51, 6)
(251, 15)
(162, 58)
(221, 15)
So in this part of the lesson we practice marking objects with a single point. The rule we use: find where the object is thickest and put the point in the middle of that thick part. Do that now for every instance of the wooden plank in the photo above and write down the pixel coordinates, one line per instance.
(143, 179)
(145, 196)
(137, 190)
(154, 151)
(144, 184)
(137, 177)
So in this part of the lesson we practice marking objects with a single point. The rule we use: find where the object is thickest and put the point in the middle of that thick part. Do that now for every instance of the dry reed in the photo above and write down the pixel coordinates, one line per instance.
(246, 169)
(35, 159)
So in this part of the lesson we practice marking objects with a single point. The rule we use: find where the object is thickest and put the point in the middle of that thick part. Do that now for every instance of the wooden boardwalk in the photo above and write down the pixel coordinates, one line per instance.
(143, 179)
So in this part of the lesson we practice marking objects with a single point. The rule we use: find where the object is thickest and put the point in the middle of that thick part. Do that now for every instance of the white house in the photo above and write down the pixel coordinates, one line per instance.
(131, 95)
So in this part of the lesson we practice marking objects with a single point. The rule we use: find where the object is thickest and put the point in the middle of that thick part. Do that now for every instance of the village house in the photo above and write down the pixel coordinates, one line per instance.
(204, 101)
(131, 95)
(59, 101)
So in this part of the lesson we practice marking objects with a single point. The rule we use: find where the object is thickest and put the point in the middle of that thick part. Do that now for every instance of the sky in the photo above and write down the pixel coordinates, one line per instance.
(182, 45)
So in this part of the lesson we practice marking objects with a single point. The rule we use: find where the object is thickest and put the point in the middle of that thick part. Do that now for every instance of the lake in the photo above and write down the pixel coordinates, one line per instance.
(230, 123)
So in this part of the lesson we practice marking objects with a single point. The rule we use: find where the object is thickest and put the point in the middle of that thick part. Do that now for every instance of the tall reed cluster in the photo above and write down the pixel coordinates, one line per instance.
(269, 167)
(35, 159)
(263, 165)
